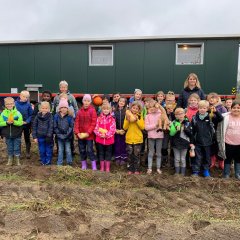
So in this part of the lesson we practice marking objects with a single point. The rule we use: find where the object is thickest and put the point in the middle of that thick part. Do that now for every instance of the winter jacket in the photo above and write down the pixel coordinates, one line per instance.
(43, 126)
(63, 126)
(37, 108)
(134, 130)
(183, 97)
(25, 109)
(11, 130)
(119, 115)
(85, 121)
(191, 112)
(203, 130)
(108, 124)
(181, 139)
(151, 121)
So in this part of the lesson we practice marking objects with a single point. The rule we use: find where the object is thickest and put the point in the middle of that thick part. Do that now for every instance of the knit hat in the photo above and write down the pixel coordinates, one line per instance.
(87, 97)
(63, 104)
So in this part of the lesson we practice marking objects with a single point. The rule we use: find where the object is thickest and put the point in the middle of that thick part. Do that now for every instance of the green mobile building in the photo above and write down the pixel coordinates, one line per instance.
(109, 65)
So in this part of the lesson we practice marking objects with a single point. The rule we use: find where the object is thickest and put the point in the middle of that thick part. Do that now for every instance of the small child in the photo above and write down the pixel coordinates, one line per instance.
(11, 122)
(160, 98)
(84, 125)
(228, 136)
(105, 130)
(180, 131)
(134, 137)
(64, 96)
(24, 107)
(192, 106)
(203, 134)
(42, 133)
(119, 141)
(228, 104)
(63, 128)
(154, 137)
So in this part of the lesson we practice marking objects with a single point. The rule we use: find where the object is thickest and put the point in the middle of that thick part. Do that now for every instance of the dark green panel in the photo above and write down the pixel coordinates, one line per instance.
(74, 66)
(221, 65)
(47, 66)
(4, 70)
(158, 66)
(129, 66)
(21, 65)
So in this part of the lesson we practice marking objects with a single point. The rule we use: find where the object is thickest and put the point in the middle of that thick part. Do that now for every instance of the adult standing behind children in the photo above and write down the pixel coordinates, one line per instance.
(191, 85)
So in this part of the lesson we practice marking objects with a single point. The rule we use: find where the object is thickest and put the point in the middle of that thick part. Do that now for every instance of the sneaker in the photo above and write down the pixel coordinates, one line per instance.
(159, 171)
(149, 171)
(137, 173)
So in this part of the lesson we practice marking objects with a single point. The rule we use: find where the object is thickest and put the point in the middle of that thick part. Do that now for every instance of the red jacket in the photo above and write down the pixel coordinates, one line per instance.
(86, 121)
(108, 124)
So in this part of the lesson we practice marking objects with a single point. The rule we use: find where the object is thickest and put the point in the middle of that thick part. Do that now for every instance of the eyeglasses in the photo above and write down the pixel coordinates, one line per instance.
(171, 93)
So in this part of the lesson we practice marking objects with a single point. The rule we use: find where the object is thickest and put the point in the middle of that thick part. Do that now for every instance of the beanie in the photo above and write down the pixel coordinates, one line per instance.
(63, 104)
(87, 97)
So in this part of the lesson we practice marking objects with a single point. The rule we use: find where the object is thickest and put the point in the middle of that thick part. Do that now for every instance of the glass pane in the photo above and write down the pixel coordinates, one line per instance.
(188, 54)
(101, 56)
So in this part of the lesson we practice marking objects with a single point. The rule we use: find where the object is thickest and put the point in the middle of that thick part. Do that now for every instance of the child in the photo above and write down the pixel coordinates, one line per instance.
(84, 125)
(180, 131)
(42, 133)
(119, 141)
(160, 98)
(24, 107)
(105, 130)
(11, 128)
(154, 137)
(116, 96)
(134, 137)
(136, 97)
(192, 106)
(203, 134)
(64, 96)
(228, 104)
(63, 128)
(228, 136)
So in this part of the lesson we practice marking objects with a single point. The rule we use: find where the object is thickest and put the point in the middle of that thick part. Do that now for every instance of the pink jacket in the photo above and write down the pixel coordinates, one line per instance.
(105, 122)
(151, 120)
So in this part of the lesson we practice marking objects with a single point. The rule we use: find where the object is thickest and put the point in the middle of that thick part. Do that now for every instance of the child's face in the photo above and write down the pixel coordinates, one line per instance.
(202, 109)
(106, 111)
(169, 108)
(9, 105)
(213, 100)
(192, 101)
(152, 110)
(235, 111)
(63, 88)
(121, 102)
(160, 97)
(146, 103)
(135, 109)
(180, 116)
(116, 97)
(86, 103)
(46, 97)
(63, 110)
(170, 99)
(137, 95)
(23, 98)
(105, 101)
(44, 109)
(229, 103)
(192, 81)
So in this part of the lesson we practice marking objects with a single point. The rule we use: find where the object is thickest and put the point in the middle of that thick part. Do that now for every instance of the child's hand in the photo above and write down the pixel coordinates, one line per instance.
(103, 135)
(191, 145)
(9, 122)
(35, 140)
(178, 128)
(79, 135)
(212, 108)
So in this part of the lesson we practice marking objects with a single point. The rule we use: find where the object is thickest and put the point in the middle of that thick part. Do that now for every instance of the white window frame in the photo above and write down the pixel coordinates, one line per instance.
(90, 55)
(187, 44)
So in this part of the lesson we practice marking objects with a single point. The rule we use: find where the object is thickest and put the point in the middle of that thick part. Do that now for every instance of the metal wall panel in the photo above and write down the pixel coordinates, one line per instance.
(4, 70)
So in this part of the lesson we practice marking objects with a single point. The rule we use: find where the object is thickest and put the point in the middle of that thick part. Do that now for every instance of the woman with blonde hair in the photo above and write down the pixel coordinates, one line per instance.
(191, 85)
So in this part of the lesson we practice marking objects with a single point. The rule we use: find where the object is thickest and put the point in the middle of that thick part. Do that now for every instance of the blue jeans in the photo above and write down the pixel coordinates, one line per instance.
(13, 146)
(86, 149)
(67, 145)
(45, 151)
(202, 158)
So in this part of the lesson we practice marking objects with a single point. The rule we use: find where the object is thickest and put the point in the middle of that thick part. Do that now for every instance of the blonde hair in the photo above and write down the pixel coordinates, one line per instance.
(138, 104)
(160, 93)
(106, 106)
(25, 93)
(44, 104)
(214, 95)
(8, 100)
(194, 95)
(179, 110)
(170, 94)
(63, 95)
(203, 103)
(63, 82)
(186, 83)
(151, 104)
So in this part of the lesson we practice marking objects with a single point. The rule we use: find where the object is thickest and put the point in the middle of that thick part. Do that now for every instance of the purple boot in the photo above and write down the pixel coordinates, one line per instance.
(84, 165)
(94, 166)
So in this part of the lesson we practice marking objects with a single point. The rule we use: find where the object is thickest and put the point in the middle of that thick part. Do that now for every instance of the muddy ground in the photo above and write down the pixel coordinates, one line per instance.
(38, 202)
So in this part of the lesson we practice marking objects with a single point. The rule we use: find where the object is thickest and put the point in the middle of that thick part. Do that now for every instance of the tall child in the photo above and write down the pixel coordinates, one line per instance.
(105, 130)
(85, 123)
(11, 123)
(134, 126)
(154, 137)
(119, 142)
(228, 136)
(63, 128)
(42, 132)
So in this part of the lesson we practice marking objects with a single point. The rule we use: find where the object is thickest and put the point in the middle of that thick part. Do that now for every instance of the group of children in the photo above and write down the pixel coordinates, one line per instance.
(204, 134)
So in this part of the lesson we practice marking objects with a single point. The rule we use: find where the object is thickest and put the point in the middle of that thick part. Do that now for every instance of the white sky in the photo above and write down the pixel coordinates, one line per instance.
(71, 19)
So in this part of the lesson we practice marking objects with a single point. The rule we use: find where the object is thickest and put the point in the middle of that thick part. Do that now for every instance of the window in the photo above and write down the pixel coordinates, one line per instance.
(189, 53)
(101, 55)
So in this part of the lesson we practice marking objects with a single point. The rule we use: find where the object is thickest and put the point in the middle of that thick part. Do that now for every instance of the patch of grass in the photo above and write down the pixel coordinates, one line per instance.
(11, 177)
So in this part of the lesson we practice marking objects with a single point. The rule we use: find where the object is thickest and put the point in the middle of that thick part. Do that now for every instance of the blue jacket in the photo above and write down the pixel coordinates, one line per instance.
(43, 126)
(25, 109)
(63, 126)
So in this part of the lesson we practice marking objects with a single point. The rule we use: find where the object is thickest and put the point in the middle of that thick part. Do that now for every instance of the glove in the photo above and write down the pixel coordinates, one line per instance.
(49, 140)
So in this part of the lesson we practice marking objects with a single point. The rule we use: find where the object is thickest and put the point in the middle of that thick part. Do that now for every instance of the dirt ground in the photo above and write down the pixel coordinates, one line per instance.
(38, 202)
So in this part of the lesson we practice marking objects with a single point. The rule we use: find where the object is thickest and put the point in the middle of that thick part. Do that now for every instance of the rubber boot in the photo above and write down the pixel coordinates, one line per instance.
(206, 173)
(213, 161)
(183, 171)
(94, 165)
(107, 164)
(84, 165)
(177, 170)
(221, 164)
(17, 160)
(102, 166)
(10, 161)
(237, 170)
(226, 171)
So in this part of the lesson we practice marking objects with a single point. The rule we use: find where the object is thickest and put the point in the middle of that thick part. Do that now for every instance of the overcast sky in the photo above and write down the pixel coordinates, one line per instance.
(71, 19)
